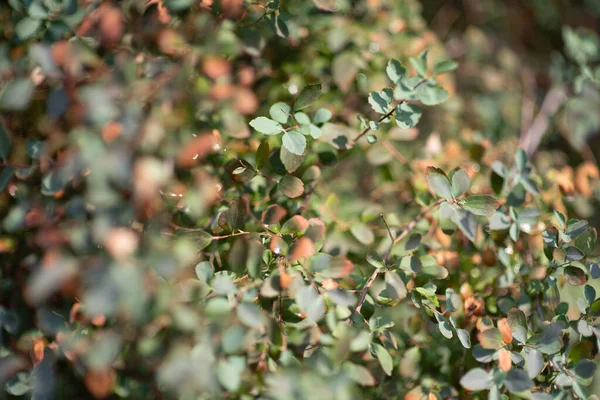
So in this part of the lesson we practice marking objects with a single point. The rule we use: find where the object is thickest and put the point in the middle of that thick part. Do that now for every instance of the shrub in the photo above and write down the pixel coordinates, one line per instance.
(208, 199)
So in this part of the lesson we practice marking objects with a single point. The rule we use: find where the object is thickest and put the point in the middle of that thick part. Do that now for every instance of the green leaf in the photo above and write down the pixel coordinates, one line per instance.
(420, 63)
(16, 95)
(491, 339)
(250, 315)
(444, 66)
(290, 161)
(560, 219)
(229, 372)
(262, 154)
(517, 321)
(322, 115)
(585, 369)
(444, 326)
(204, 239)
(311, 303)
(294, 142)
(291, 186)
(307, 96)
(407, 115)
(395, 71)
(477, 379)
(464, 337)
(499, 221)
(280, 112)
(517, 381)
(480, 204)
(302, 118)
(460, 182)
(453, 300)
(280, 27)
(439, 182)
(375, 260)
(266, 126)
(362, 233)
(395, 287)
(385, 360)
(521, 160)
(574, 254)
(594, 310)
(5, 143)
(381, 101)
(204, 271)
(27, 28)
(535, 362)
(431, 94)
(466, 222)
(37, 10)
(5, 176)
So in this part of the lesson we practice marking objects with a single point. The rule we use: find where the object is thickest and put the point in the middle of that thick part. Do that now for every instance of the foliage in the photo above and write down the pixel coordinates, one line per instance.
(289, 200)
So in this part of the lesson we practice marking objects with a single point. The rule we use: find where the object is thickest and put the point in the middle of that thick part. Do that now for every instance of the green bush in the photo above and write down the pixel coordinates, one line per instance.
(324, 199)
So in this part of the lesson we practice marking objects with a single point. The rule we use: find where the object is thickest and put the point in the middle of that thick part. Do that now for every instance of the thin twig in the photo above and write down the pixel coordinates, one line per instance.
(11, 165)
(395, 153)
(387, 227)
(411, 225)
(386, 116)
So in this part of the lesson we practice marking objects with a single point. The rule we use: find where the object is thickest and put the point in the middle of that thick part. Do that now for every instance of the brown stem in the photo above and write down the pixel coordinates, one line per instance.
(11, 165)
(367, 129)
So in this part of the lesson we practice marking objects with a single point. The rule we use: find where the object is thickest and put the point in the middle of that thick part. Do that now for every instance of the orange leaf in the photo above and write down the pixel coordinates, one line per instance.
(504, 360)
(506, 331)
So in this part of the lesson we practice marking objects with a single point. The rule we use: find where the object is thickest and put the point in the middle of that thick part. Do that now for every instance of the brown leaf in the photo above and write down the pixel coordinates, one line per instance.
(111, 24)
(273, 214)
(506, 331)
(302, 248)
(216, 67)
(585, 173)
(73, 313)
(100, 383)
(232, 8)
(196, 149)
(111, 131)
(504, 360)
(285, 280)
(245, 101)
(38, 350)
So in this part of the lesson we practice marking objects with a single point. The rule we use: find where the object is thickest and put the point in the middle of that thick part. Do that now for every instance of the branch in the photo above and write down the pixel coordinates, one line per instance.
(411, 225)
(367, 129)
(531, 139)
(389, 114)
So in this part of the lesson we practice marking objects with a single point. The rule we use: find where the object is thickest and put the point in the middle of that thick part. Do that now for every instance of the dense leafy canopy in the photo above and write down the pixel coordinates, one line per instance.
(298, 200)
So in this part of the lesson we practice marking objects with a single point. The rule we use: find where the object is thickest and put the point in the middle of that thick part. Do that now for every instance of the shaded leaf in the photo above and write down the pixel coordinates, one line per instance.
(307, 96)
(480, 204)
(291, 186)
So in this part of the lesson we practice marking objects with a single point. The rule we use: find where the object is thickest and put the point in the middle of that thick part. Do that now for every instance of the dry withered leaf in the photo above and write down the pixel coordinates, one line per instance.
(474, 305)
